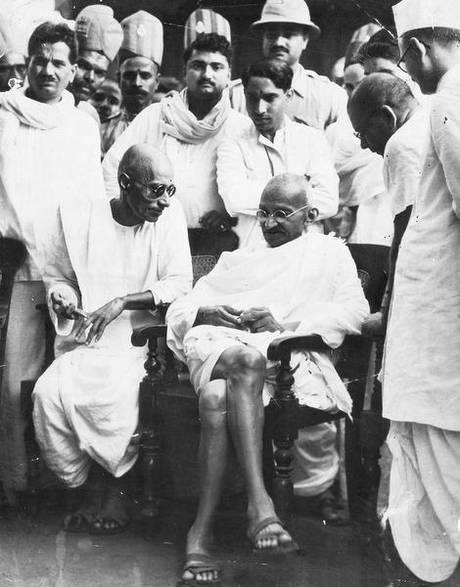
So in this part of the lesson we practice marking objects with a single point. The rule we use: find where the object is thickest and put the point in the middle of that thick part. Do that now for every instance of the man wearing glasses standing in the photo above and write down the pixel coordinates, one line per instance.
(299, 282)
(117, 262)
(99, 38)
(12, 65)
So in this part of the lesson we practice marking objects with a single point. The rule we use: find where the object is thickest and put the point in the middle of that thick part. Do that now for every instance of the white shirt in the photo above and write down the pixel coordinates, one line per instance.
(402, 166)
(422, 368)
(247, 162)
(194, 164)
(313, 99)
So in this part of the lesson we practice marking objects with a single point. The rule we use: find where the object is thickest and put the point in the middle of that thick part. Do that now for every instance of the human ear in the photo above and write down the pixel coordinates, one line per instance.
(417, 47)
(124, 181)
(73, 71)
(312, 215)
(389, 116)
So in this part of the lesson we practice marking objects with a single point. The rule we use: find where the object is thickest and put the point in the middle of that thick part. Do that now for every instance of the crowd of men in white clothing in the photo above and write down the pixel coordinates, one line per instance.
(113, 178)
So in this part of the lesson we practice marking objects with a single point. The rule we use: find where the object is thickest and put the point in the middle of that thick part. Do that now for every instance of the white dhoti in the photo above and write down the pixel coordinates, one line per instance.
(86, 408)
(24, 360)
(424, 501)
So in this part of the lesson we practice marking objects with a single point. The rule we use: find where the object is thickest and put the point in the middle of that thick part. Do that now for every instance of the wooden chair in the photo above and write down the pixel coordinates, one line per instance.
(283, 415)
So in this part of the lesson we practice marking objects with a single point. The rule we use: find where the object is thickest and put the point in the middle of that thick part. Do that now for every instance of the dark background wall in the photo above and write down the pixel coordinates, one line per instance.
(337, 19)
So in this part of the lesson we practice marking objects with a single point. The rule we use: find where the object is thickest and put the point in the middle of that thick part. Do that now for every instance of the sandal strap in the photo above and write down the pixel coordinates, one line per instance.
(262, 525)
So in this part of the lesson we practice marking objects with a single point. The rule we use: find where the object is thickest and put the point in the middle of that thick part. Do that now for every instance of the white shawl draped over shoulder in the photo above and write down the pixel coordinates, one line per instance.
(48, 153)
(311, 281)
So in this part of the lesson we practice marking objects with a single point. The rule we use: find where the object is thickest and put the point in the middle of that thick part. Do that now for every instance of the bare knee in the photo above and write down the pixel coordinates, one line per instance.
(213, 398)
(245, 361)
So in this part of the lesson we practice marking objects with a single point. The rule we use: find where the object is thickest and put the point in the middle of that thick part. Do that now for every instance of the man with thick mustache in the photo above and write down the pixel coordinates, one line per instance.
(49, 153)
(141, 53)
(287, 28)
(189, 127)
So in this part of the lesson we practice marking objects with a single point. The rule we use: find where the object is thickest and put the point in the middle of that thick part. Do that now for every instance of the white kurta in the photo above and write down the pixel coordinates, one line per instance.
(424, 323)
(421, 371)
(402, 161)
(313, 99)
(311, 280)
(194, 164)
(48, 153)
(85, 404)
(361, 184)
(248, 161)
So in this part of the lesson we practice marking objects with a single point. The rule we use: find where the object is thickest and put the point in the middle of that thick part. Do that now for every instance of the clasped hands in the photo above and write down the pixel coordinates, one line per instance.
(96, 321)
(257, 319)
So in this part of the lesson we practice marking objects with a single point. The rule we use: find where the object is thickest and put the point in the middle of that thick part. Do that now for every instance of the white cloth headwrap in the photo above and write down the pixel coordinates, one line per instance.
(179, 122)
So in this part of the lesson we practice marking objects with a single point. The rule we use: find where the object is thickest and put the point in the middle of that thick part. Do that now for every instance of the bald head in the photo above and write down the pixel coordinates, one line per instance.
(378, 107)
(288, 188)
(145, 164)
(285, 204)
(379, 89)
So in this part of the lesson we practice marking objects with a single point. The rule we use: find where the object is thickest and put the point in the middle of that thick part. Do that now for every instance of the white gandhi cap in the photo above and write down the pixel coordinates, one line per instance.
(412, 15)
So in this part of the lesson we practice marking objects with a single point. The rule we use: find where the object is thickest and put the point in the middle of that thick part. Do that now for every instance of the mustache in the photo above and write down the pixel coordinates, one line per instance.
(278, 49)
(138, 92)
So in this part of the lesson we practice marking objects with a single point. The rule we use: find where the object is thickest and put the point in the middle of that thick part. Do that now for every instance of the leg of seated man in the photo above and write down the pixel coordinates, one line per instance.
(213, 456)
(244, 370)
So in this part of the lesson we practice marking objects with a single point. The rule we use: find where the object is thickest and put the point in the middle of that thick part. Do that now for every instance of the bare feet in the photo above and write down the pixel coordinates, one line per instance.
(82, 515)
(113, 516)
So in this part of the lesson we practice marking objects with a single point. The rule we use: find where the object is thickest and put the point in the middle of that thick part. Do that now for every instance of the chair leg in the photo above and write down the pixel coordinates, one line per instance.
(284, 436)
(32, 495)
(150, 441)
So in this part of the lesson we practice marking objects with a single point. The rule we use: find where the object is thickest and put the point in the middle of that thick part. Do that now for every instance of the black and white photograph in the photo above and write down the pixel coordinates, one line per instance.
(229, 293)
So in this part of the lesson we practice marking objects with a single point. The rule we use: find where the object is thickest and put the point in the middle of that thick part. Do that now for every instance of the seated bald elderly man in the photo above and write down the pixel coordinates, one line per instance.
(301, 282)
(115, 262)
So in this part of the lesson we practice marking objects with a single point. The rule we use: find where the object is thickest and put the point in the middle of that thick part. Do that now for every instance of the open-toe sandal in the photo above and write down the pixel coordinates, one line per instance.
(197, 563)
(284, 547)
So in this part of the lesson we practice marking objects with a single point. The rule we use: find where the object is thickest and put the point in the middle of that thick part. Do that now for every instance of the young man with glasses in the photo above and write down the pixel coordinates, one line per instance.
(421, 375)
(274, 144)
(117, 262)
(299, 282)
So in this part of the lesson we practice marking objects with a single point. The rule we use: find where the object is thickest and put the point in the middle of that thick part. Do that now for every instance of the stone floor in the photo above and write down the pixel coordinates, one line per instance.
(36, 552)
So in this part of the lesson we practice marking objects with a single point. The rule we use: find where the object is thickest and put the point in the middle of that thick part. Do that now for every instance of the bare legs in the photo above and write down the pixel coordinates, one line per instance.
(236, 409)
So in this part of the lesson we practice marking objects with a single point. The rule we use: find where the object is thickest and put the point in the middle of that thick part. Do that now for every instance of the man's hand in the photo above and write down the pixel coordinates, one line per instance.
(219, 316)
(99, 319)
(214, 221)
(62, 305)
(260, 320)
(373, 325)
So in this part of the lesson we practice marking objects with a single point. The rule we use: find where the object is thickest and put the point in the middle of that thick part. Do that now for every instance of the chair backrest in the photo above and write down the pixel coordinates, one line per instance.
(202, 265)
(372, 263)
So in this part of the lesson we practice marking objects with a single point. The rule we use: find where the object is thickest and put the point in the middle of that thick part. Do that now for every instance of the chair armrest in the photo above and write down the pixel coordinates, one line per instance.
(153, 327)
(284, 345)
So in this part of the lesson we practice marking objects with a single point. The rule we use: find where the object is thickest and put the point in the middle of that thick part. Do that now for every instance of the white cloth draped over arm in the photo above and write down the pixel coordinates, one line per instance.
(174, 262)
(345, 313)
(59, 277)
(143, 129)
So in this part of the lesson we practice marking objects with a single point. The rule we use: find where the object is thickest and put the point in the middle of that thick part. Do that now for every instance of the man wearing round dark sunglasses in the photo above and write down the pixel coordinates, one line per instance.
(143, 262)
